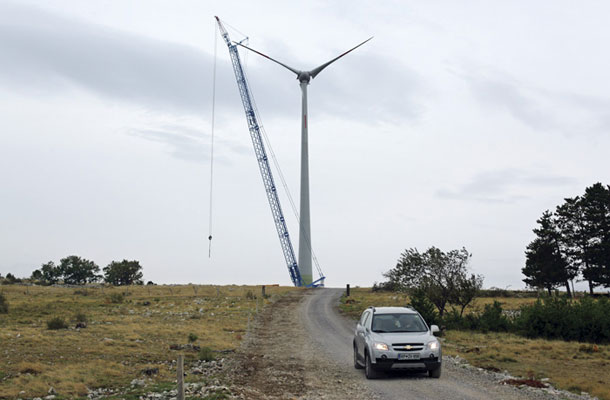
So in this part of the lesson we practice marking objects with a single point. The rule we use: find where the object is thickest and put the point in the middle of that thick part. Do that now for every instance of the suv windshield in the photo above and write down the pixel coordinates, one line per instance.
(398, 323)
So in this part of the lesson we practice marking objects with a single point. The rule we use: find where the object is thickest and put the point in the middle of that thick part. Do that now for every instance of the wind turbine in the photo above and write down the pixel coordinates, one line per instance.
(304, 229)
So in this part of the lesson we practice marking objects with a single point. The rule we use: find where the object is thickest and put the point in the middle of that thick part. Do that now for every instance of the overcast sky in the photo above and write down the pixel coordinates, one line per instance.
(457, 125)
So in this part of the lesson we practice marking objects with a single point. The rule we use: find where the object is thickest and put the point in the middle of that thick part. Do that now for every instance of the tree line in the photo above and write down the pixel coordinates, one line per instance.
(75, 270)
(572, 242)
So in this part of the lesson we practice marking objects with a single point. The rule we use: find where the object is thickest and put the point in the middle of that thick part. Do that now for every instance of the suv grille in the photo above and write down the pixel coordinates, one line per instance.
(408, 346)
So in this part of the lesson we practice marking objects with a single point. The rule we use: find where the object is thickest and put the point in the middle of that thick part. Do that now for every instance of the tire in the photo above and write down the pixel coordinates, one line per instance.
(356, 363)
(435, 373)
(369, 370)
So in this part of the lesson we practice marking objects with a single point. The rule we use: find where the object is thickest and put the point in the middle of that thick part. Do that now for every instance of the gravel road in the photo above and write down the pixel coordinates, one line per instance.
(333, 334)
(299, 347)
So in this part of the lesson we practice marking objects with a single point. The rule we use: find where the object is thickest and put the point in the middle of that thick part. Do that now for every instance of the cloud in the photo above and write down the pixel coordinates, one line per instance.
(377, 88)
(503, 186)
(186, 143)
(537, 107)
(46, 53)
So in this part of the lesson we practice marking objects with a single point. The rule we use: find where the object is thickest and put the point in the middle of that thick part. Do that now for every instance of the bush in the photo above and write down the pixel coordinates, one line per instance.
(207, 354)
(117, 298)
(80, 317)
(584, 320)
(3, 304)
(10, 279)
(421, 303)
(56, 323)
(492, 319)
(192, 337)
(385, 287)
(250, 295)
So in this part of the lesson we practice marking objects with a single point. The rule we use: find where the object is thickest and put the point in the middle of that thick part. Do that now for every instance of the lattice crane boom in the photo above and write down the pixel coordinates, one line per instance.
(263, 160)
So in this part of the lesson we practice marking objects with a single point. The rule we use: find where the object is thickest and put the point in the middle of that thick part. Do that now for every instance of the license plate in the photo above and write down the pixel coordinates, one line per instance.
(408, 356)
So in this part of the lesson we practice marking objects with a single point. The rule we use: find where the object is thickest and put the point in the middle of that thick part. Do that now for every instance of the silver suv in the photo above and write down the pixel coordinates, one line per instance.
(396, 338)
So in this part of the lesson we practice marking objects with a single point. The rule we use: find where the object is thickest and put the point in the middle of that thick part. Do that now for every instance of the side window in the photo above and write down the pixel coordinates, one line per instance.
(366, 319)
(363, 318)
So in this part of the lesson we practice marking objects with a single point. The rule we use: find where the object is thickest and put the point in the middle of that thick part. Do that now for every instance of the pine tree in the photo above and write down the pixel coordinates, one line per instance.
(545, 265)
(570, 222)
(596, 213)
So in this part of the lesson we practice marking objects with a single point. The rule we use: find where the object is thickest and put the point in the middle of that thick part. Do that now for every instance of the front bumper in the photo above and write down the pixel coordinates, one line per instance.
(428, 363)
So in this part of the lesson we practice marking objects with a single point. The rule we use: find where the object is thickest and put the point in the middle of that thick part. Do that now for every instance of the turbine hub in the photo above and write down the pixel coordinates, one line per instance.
(304, 76)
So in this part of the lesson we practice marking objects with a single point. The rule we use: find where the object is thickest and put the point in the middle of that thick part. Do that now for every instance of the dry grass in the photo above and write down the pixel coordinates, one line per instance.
(121, 338)
(570, 366)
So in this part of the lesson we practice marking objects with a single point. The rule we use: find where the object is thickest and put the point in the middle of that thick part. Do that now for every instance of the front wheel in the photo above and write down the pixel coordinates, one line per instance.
(369, 371)
(356, 363)
(436, 372)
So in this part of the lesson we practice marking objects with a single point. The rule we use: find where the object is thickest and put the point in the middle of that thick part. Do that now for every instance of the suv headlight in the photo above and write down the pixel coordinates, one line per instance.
(433, 345)
(381, 346)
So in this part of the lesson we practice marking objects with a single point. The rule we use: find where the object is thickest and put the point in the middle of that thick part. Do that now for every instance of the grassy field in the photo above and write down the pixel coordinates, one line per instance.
(128, 330)
(568, 365)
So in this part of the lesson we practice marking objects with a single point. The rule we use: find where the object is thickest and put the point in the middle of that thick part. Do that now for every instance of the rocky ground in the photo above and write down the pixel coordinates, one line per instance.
(279, 360)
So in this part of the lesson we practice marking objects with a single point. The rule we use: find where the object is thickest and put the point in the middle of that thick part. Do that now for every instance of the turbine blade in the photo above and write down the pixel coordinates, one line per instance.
(316, 71)
(266, 56)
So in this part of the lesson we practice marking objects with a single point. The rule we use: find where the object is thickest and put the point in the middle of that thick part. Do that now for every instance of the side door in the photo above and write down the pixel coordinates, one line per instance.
(361, 333)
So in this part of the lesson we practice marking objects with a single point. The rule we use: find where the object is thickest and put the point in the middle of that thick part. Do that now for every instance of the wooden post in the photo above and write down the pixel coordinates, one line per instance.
(180, 376)
(347, 290)
(263, 291)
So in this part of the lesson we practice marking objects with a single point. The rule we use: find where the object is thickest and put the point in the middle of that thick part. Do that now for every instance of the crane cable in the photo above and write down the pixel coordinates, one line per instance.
(212, 142)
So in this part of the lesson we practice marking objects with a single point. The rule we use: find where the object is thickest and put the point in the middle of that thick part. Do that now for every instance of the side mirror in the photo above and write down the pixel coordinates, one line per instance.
(434, 329)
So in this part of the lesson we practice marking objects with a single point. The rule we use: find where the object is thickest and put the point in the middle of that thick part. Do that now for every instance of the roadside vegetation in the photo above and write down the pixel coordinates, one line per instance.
(569, 365)
(540, 333)
(75, 338)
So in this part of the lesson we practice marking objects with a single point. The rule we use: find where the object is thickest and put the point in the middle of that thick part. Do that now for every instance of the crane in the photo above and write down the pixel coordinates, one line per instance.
(263, 165)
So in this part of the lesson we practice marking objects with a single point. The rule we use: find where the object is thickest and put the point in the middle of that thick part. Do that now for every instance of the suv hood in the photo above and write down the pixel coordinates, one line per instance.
(403, 337)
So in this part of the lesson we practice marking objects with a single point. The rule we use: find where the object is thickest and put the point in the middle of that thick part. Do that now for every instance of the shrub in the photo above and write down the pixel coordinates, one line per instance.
(421, 303)
(492, 318)
(250, 295)
(80, 317)
(584, 320)
(116, 298)
(385, 287)
(10, 279)
(206, 354)
(56, 323)
(3, 304)
(192, 337)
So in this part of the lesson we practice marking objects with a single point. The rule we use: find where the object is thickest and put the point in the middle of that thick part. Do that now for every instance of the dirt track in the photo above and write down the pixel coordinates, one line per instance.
(301, 348)
(279, 361)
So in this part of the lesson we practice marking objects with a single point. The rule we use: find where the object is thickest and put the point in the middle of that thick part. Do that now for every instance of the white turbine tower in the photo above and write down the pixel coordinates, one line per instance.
(304, 229)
